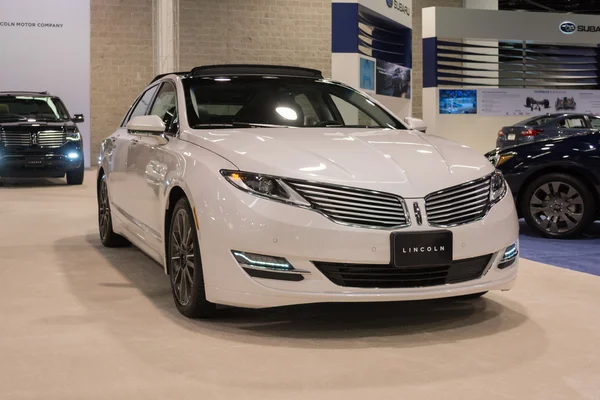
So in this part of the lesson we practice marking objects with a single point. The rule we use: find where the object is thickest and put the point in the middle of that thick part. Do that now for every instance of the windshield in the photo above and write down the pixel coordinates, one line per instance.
(246, 102)
(38, 108)
(537, 121)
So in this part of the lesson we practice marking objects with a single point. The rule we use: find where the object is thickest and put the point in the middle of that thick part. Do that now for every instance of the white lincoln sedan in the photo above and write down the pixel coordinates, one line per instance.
(262, 186)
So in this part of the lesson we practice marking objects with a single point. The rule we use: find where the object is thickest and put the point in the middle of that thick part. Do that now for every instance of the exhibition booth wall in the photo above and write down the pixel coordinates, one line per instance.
(371, 42)
(48, 50)
(484, 69)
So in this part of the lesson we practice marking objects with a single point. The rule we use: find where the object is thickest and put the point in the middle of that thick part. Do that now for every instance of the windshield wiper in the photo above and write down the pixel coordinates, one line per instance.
(238, 125)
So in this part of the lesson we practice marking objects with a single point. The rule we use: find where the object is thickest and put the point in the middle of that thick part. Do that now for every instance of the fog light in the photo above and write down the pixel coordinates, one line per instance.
(268, 267)
(73, 156)
(510, 256)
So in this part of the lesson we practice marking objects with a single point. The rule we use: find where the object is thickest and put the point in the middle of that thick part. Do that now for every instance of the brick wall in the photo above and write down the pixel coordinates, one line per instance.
(417, 46)
(121, 62)
(289, 32)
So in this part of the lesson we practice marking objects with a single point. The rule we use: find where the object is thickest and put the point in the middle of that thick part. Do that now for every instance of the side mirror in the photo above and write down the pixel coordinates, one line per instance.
(151, 126)
(78, 118)
(146, 124)
(416, 124)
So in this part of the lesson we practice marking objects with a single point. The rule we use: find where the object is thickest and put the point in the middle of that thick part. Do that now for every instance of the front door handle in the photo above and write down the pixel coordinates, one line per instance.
(134, 141)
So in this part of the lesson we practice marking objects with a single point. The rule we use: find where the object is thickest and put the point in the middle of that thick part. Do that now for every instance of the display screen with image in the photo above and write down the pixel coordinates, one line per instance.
(458, 101)
(392, 80)
(367, 74)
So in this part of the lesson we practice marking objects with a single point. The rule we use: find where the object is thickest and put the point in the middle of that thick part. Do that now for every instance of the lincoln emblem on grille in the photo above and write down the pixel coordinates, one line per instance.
(35, 139)
(418, 213)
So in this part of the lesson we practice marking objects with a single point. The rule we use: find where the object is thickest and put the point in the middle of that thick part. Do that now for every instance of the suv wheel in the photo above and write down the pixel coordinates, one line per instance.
(75, 177)
(107, 236)
(185, 264)
(558, 206)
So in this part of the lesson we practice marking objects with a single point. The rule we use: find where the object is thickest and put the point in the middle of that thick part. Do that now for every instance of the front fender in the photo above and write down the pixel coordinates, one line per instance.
(197, 175)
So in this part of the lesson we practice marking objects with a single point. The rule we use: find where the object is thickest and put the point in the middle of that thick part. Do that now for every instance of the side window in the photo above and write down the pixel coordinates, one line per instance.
(595, 122)
(165, 106)
(351, 115)
(574, 123)
(141, 106)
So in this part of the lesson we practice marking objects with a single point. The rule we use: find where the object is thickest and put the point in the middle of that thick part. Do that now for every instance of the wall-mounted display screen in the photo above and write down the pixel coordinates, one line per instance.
(458, 101)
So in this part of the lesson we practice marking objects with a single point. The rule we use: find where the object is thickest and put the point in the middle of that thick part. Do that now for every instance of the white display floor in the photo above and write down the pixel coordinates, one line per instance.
(83, 322)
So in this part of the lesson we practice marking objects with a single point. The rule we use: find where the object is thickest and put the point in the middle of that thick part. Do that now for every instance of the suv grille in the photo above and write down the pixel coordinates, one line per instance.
(51, 139)
(16, 139)
(48, 139)
(459, 204)
(353, 206)
(388, 276)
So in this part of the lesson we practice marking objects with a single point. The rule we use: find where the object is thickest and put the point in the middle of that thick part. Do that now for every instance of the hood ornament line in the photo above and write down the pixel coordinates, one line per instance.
(418, 215)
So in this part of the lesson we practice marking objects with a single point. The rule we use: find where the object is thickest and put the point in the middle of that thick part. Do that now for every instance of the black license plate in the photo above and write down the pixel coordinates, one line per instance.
(34, 162)
(416, 249)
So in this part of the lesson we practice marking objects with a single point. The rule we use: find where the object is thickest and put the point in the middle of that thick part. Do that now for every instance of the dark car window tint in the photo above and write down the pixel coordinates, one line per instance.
(36, 107)
(141, 106)
(284, 101)
(595, 122)
(537, 121)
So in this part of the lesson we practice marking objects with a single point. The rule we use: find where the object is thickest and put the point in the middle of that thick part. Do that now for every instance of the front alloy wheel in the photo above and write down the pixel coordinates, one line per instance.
(558, 206)
(185, 264)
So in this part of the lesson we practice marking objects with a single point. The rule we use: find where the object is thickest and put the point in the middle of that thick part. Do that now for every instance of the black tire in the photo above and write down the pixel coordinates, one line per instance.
(75, 177)
(185, 264)
(107, 236)
(558, 205)
(471, 296)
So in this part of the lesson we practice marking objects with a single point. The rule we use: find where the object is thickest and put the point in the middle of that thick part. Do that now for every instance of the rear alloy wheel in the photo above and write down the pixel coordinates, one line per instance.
(107, 236)
(185, 265)
(558, 206)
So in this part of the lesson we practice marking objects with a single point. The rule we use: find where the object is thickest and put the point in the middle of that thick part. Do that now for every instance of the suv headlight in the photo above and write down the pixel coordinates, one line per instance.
(269, 187)
(498, 187)
(74, 136)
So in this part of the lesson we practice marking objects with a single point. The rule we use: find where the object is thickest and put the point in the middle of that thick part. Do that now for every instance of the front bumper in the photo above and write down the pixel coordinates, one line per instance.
(40, 163)
(246, 223)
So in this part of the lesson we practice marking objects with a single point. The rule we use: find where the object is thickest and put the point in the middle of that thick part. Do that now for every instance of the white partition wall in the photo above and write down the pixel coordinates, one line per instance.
(45, 45)
(371, 49)
(511, 64)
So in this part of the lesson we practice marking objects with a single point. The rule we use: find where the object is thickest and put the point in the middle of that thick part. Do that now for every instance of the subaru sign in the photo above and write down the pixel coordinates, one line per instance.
(390, 3)
(567, 27)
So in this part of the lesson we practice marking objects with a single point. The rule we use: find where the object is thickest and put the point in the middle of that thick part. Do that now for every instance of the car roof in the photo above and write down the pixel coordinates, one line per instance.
(224, 70)
(23, 93)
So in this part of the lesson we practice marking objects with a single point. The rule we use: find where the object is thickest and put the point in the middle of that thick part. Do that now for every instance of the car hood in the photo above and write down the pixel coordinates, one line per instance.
(407, 163)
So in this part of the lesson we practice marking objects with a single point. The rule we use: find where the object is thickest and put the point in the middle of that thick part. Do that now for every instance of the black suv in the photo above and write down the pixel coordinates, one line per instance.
(38, 138)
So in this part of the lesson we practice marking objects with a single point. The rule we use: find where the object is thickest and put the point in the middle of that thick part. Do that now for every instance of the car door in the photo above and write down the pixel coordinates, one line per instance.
(119, 191)
(149, 161)
(572, 125)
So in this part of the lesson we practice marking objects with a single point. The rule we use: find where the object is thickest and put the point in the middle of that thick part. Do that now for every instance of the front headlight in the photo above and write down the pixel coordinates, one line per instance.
(265, 186)
(74, 136)
(498, 187)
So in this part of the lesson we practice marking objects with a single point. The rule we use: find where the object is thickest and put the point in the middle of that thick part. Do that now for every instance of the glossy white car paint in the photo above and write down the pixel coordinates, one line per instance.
(142, 172)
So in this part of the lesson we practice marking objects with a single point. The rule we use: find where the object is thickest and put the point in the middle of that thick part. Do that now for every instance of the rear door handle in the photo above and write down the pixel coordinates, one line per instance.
(134, 141)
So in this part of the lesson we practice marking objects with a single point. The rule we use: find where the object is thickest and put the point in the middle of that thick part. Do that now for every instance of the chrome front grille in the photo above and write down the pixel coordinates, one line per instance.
(354, 206)
(51, 139)
(44, 139)
(16, 139)
(460, 204)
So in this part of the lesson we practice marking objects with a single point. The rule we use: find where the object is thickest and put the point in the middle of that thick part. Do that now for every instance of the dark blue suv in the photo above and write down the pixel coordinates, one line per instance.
(547, 126)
